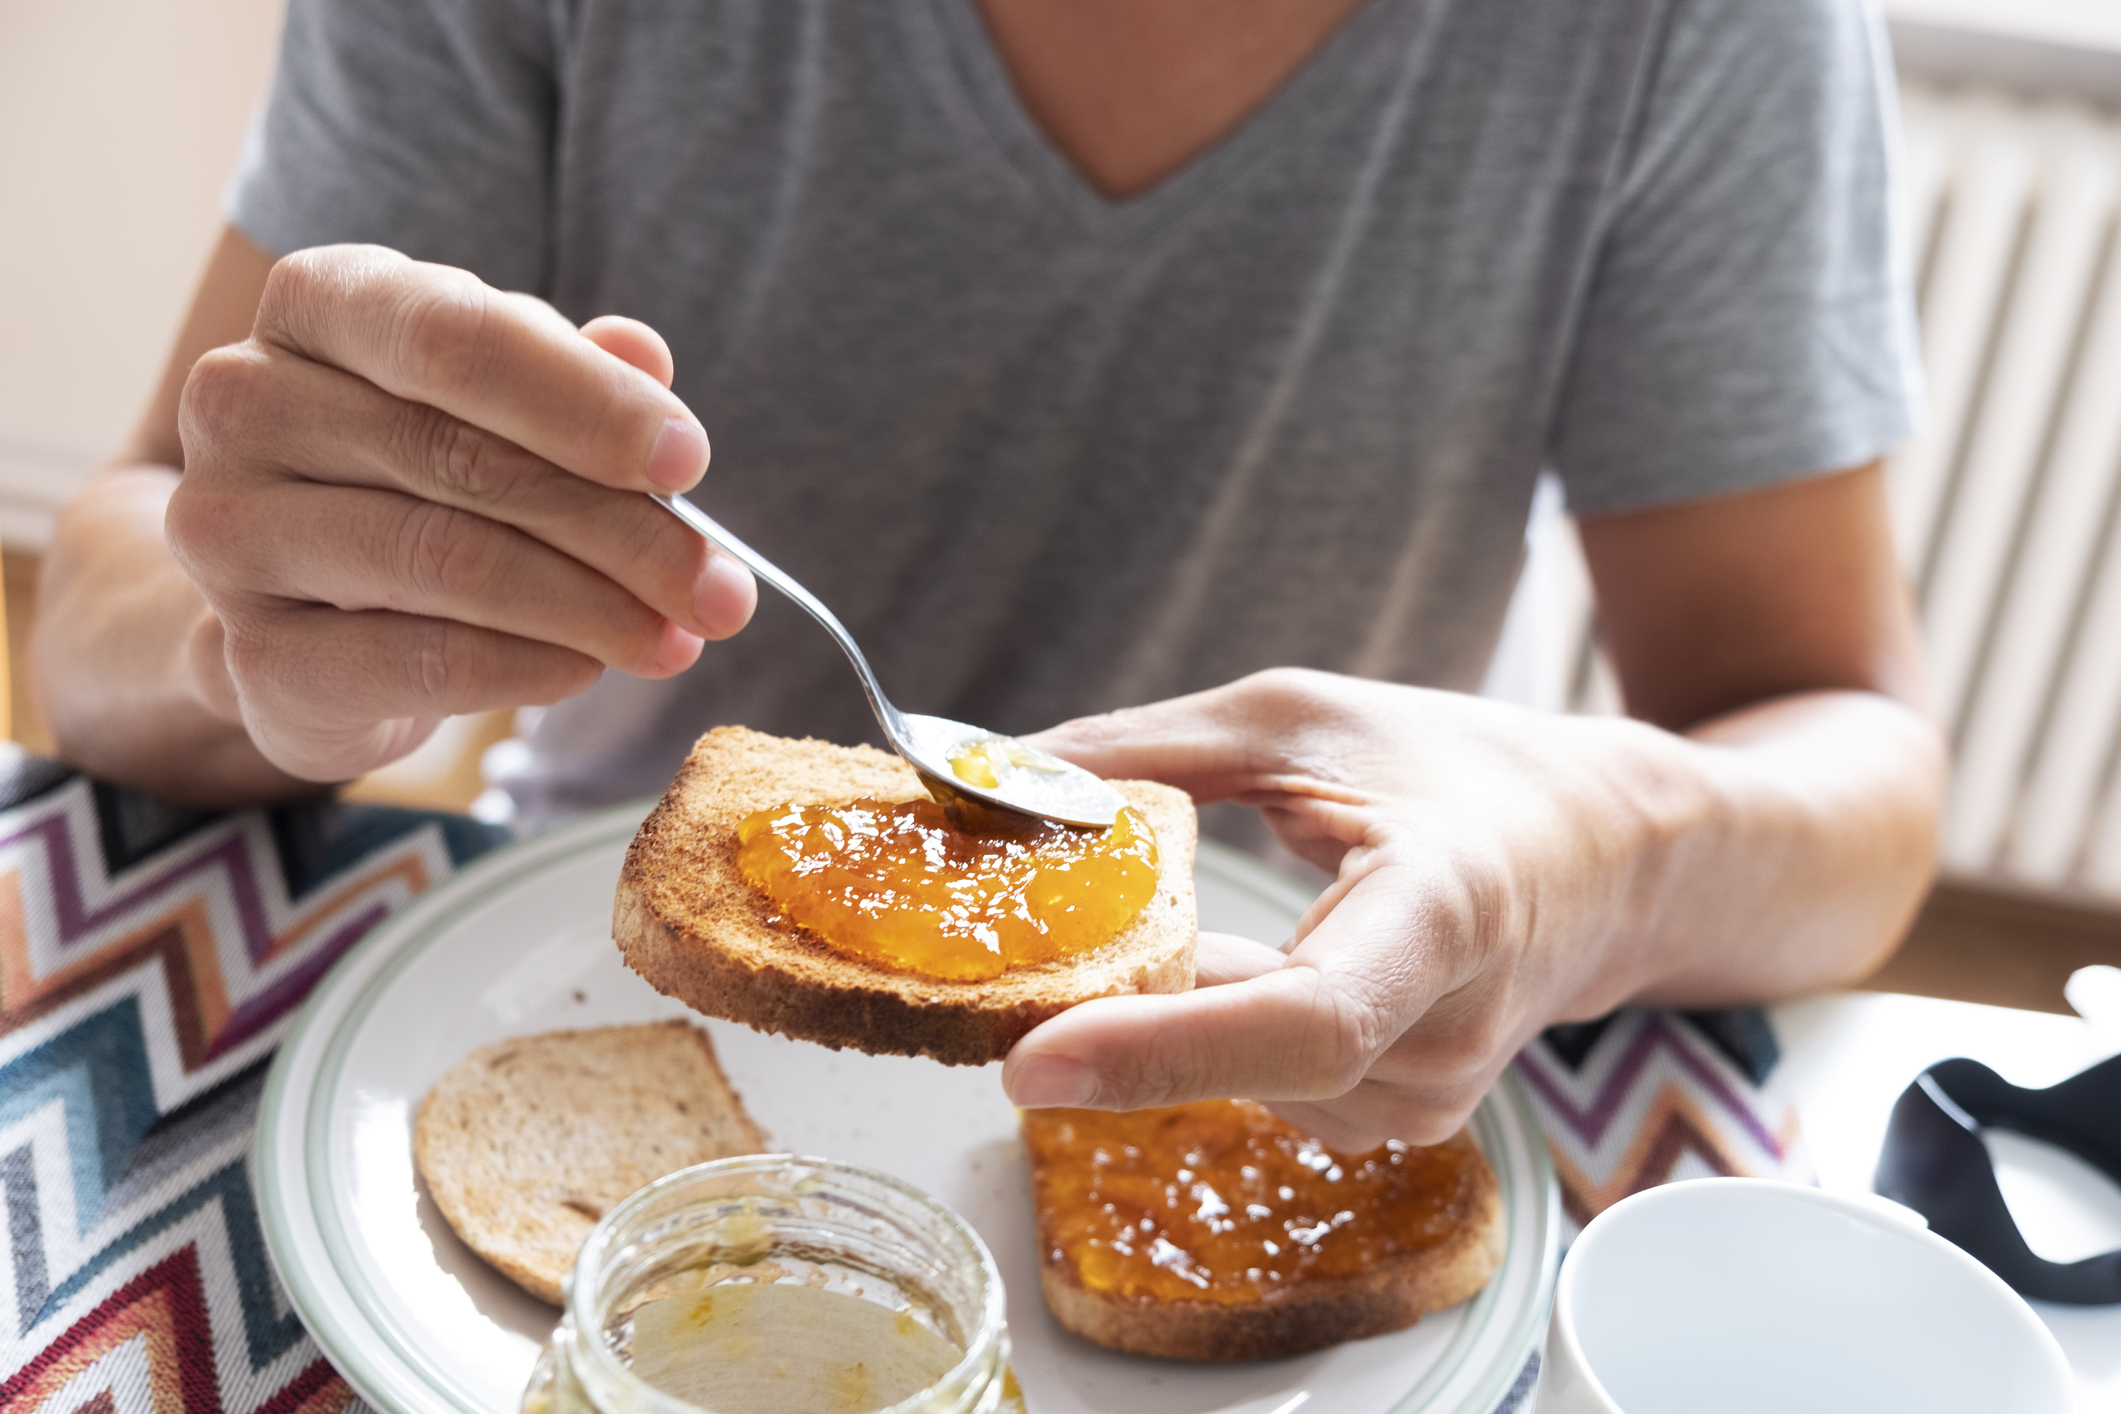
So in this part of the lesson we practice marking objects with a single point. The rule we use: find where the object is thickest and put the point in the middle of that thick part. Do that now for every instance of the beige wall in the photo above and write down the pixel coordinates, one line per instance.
(119, 123)
(2094, 24)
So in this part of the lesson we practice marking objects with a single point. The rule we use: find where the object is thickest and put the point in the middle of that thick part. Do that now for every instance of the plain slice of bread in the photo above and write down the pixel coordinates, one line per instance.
(1308, 1315)
(526, 1143)
(687, 920)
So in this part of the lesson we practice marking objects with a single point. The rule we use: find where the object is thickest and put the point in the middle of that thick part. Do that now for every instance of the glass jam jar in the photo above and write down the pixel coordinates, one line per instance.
(770, 1283)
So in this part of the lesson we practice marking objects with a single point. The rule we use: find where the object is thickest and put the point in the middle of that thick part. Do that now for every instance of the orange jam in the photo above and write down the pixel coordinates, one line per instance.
(983, 763)
(900, 885)
(1220, 1201)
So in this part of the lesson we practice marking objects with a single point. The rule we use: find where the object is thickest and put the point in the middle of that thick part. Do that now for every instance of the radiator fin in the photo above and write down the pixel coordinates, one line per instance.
(2007, 504)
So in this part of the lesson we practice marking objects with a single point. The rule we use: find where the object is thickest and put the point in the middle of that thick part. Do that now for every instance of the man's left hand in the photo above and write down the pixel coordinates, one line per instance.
(1488, 861)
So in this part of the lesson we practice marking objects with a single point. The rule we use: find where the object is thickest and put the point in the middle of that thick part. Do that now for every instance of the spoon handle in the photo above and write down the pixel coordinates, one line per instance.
(887, 716)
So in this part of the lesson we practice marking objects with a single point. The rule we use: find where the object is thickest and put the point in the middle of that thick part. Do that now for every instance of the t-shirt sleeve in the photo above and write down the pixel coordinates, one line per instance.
(423, 125)
(1749, 317)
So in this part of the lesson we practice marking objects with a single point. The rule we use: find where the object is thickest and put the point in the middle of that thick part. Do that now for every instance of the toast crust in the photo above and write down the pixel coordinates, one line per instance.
(1309, 1315)
(688, 922)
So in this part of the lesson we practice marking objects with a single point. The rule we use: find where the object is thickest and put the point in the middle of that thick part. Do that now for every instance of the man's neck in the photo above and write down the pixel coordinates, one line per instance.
(1130, 91)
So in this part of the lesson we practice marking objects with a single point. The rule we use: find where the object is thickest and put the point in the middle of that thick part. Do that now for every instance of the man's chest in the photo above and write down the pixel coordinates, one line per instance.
(848, 223)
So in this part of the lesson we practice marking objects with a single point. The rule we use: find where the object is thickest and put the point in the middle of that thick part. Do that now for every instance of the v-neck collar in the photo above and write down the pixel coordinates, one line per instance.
(1354, 62)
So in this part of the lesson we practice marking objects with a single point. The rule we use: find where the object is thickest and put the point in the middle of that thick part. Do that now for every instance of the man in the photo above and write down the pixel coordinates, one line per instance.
(1083, 355)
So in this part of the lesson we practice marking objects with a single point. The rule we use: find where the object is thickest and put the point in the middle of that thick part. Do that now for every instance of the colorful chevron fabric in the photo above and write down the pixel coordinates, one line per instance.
(1648, 1097)
(150, 958)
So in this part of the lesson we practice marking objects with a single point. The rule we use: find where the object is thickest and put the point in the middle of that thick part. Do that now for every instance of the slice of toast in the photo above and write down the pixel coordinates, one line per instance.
(526, 1143)
(1389, 1295)
(687, 920)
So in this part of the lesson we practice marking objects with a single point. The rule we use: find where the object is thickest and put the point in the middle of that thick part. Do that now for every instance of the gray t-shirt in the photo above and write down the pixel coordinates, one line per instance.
(1048, 454)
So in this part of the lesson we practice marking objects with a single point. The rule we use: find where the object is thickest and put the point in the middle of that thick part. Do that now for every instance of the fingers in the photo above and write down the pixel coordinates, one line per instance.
(272, 419)
(1197, 743)
(1428, 1082)
(1222, 958)
(409, 495)
(328, 695)
(1332, 1126)
(1281, 1040)
(357, 549)
(1284, 1034)
(633, 342)
(506, 363)
(1374, 1111)
(1283, 730)
(1309, 1030)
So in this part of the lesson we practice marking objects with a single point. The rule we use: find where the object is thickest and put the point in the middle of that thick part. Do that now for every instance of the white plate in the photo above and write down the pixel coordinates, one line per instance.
(520, 942)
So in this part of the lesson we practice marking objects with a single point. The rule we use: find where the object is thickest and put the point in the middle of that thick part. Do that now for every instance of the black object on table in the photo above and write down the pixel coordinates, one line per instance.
(1934, 1162)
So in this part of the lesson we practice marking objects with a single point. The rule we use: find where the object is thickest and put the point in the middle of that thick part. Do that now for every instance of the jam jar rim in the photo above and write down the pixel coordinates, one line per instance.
(992, 1331)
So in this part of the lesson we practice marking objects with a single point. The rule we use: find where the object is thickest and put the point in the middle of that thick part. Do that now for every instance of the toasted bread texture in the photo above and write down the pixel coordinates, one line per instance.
(526, 1143)
(687, 920)
(1309, 1315)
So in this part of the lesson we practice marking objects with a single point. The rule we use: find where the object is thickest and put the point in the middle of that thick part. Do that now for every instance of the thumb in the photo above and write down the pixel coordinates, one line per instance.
(1303, 1027)
(1259, 1038)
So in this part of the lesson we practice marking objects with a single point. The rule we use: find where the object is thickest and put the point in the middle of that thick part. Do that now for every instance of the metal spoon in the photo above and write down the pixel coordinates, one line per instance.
(1027, 781)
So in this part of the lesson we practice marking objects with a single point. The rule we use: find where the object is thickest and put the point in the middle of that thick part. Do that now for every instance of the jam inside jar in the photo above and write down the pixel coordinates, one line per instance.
(901, 885)
(766, 1284)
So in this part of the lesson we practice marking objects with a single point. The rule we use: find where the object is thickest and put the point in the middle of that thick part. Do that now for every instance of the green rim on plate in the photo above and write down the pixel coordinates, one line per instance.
(414, 923)
(348, 1318)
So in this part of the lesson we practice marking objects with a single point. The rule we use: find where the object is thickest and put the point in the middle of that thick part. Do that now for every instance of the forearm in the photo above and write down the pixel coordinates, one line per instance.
(111, 655)
(1812, 843)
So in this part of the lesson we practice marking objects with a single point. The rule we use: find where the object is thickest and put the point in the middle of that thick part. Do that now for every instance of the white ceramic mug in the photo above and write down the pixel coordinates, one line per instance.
(1747, 1296)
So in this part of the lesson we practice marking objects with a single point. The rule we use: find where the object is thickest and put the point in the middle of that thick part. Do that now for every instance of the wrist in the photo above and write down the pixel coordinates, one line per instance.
(1812, 845)
(1661, 813)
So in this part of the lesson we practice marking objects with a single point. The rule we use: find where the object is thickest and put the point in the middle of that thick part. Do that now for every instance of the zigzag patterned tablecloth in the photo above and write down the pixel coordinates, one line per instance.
(151, 956)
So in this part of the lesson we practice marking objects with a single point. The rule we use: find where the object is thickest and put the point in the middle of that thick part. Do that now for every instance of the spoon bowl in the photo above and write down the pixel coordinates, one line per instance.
(968, 768)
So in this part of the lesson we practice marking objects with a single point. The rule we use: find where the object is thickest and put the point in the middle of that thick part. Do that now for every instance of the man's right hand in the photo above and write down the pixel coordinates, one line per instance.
(408, 495)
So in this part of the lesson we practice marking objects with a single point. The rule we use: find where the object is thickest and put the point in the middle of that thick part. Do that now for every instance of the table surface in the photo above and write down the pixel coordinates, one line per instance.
(263, 903)
(1847, 1057)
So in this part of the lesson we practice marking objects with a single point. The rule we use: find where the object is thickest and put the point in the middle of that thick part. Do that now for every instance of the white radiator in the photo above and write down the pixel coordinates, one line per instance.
(2007, 507)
